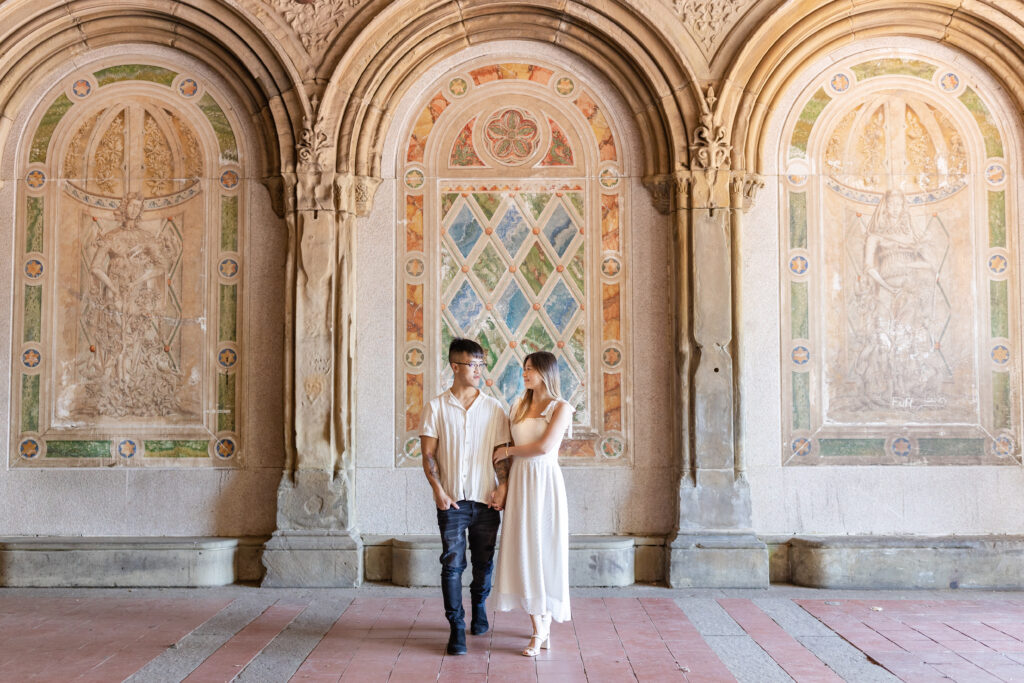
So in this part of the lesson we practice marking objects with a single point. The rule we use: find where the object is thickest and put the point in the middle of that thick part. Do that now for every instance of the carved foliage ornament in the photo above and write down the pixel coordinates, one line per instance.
(708, 21)
(315, 21)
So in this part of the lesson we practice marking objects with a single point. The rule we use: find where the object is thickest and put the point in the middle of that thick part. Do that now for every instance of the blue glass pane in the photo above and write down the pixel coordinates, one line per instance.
(464, 231)
(510, 384)
(512, 307)
(512, 230)
(561, 306)
(465, 307)
(567, 380)
(560, 230)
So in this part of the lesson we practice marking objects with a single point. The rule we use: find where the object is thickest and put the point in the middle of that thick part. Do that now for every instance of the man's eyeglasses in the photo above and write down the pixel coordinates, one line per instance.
(474, 364)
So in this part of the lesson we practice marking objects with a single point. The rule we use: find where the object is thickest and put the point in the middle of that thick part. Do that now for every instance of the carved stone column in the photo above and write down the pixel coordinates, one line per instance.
(715, 545)
(316, 543)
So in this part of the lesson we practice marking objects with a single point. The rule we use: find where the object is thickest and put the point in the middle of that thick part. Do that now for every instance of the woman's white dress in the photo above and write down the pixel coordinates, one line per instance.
(533, 557)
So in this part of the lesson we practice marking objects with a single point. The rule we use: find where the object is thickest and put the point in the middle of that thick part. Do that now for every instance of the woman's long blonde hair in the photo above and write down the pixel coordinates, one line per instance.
(546, 365)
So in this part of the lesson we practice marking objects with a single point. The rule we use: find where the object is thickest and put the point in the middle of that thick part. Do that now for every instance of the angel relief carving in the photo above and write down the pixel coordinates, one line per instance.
(129, 319)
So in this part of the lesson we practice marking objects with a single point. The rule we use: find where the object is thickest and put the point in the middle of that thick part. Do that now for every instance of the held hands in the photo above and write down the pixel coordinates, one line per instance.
(498, 497)
(499, 454)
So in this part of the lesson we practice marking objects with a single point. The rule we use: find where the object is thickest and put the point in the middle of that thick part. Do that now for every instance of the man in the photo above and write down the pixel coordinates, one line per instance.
(460, 430)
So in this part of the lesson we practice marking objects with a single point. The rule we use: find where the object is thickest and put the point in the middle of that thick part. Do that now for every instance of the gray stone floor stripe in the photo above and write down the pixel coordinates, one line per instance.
(746, 660)
(709, 618)
(737, 650)
(793, 618)
(282, 657)
(182, 658)
(850, 663)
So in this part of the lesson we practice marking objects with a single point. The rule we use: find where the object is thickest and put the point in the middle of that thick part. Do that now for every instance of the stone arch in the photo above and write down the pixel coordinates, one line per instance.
(760, 75)
(383, 61)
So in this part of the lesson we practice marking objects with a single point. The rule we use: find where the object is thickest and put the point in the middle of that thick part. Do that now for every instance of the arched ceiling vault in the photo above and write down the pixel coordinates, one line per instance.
(384, 58)
(761, 73)
(38, 39)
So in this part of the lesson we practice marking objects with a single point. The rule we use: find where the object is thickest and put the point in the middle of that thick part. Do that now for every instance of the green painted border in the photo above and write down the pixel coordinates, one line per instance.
(987, 125)
(999, 308)
(221, 127)
(801, 382)
(33, 313)
(997, 219)
(229, 223)
(34, 225)
(77, 449)
(30, 403)
(225, 402)
(798, 306)
(160, 448)
(1001, 404)
(797, 220)
(974, 448)
(41, 139)
(831, 448)
(805, 123)
(892, 66)
(135, 72)
(228, 312)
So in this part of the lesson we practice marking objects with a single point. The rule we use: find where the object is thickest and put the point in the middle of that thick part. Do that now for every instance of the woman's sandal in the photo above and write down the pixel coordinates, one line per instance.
(539, 640)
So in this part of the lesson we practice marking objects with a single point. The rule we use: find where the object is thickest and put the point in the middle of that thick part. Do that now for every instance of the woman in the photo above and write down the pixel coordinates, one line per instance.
(533, 560)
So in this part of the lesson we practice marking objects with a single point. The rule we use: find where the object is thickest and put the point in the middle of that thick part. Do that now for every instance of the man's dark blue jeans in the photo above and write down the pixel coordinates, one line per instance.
(480, 523)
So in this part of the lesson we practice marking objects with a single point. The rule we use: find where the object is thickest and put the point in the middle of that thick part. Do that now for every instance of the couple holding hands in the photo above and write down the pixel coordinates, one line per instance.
(477, 465)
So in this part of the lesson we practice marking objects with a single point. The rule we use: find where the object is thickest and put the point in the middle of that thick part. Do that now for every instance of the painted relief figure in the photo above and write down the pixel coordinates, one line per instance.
(896, 363)
(128, 369)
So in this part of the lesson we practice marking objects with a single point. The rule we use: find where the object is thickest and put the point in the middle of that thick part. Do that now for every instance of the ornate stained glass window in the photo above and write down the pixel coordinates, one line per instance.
(512, 233)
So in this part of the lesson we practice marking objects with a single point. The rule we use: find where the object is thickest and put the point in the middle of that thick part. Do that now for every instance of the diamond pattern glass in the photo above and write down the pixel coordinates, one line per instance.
(561, 306)
(465, 230)
(513, 307)
(512, 230)
(560, 230)
(536, 268)
(465, 306)
(489, 268)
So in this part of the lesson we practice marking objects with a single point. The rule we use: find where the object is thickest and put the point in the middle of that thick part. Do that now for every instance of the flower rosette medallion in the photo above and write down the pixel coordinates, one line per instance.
(512, 136)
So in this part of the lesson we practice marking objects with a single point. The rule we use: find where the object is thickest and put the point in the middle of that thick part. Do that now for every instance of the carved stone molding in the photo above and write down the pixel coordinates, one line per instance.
(315, 22)
(661, 187)
(709, 158)
(709, 21)
(745, 187)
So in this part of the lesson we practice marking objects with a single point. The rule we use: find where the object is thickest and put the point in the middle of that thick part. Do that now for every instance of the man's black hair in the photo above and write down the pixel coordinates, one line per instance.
(469, 346)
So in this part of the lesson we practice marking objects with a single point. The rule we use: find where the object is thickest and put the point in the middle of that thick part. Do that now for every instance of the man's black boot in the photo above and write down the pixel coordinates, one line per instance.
(479, 625)
(457, 641)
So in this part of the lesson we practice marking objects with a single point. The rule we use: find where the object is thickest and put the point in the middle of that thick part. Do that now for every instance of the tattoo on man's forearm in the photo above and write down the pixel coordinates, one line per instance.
(501, 468)
(432, 466)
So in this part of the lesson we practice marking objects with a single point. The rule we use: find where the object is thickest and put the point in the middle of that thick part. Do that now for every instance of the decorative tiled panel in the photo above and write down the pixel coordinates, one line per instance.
(507, 238)
(128, 351)
(900, 299)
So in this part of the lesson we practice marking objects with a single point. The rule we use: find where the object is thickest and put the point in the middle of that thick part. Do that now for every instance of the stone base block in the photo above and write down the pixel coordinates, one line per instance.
(718, 561)
(881, 562)
(593, 561)
(313, 559)
(117, 562)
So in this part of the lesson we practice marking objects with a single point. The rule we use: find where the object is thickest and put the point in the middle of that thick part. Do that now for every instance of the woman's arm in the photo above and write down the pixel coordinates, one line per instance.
(551, 437)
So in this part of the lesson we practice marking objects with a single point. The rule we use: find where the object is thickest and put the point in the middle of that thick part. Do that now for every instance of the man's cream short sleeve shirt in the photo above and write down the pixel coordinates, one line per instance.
(465, 442)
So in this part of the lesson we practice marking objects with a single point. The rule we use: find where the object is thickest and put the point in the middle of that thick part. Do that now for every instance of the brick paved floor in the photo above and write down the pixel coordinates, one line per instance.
(389, 634)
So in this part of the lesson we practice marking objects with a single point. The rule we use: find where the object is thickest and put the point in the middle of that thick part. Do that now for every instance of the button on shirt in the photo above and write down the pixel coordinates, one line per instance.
(465, 442)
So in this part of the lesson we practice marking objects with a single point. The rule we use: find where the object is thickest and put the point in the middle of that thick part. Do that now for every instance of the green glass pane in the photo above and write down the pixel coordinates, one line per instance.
(536, 268)
(999, 308)
(997, 219)
(33, 313)
(229, 223)
(537, 338)
(488, 202)
(575, 269)
(493, 341)
(860, 447)
(577, 344)
(78, 449)
(536, 201)
(226, 402)
(221, 128)
(981, 114)
(951, 447)
(801, 400)
(30, 403)
(228, 312)
(489, 268)
(447, 201)
(577, 201)
(1001, 400)
(894, 66)
(135, 72)
(797, 220)
(802, 131)
(34, 231)
(175, 449)
(41, 139)
(798, 310)
(449, 269)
